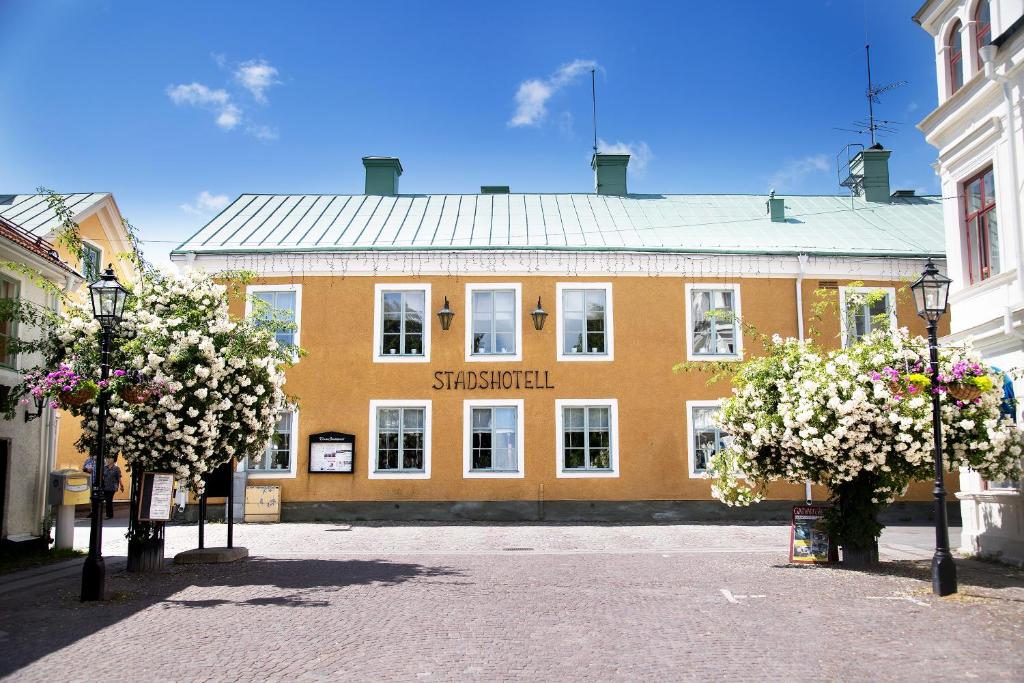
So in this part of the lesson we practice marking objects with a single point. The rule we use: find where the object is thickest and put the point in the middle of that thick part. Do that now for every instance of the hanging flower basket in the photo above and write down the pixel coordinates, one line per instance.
(964, 392)
(78, 397)
(134, 394)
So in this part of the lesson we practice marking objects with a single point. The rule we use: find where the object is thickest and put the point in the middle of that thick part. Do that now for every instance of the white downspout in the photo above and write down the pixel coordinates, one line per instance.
(801, 261)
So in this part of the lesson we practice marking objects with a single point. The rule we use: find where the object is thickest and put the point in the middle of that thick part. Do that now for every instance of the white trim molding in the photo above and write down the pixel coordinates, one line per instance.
(467, 438)
(609, 322)
(844, 326)
(250, 290)
(691, 456)
(371, 470)
(517, 353)
(613, 437)
(733, 287)
(293, 448)
(428, 323)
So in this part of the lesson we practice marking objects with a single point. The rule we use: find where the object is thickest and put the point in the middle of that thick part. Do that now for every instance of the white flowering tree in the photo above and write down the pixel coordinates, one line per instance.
(190, 389)
(859, 421)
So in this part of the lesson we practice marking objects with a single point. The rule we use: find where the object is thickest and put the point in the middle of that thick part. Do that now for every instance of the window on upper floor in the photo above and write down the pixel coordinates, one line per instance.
(712, 319)
(585, 321)
(982, 236)
(9, 291)
(864, 310)
(402, 325)
(982, 29)
(493, 324)
(956, 58)
(92, 262)
(278, 307)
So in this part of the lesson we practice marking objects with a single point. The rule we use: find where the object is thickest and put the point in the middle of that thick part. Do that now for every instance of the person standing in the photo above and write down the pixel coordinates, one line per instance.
(111, 483)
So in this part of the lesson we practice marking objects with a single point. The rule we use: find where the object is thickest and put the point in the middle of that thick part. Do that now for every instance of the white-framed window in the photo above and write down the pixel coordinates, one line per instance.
(493, 441)
(92, 262)
(704, 438)
(587, 433)
(10, 289)
(278, 460)
(862, 310)
(401, 323)
(494, 322)
(399, 439)
(712, 321)
(282, 306)
(584, 321)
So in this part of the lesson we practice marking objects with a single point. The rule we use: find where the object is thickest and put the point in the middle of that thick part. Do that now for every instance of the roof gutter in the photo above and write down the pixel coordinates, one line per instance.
(191, 253)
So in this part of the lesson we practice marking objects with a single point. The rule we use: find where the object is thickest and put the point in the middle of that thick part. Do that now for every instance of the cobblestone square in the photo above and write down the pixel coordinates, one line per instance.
(514, 602)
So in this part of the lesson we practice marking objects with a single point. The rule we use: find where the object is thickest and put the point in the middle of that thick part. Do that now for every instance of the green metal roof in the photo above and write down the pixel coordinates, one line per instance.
(33, 213)
(837, 225)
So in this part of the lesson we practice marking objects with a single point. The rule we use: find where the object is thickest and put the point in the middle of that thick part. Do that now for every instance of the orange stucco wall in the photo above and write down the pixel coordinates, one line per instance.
(337, 380)
(68, 426)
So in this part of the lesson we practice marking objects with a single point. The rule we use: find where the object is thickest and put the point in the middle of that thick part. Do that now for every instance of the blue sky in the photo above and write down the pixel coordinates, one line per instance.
(177, 107)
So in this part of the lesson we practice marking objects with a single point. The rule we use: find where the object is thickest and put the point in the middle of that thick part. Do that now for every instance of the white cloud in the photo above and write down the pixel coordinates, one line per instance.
(206, 203)
(639, 152)
(256, 76)
(794, 171)
(227, 115)
(533, 94)
(261, 132)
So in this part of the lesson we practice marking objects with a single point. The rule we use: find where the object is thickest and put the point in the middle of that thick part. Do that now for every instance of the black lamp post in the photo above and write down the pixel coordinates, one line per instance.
(108, 297)
(539, 315)
(931, 294)
(445, 315)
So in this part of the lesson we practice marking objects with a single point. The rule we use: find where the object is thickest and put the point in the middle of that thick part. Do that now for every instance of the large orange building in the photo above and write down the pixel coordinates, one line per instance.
(549, 391)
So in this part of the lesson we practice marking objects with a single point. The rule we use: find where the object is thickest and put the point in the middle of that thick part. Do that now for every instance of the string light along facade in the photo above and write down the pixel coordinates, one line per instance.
(509, 356)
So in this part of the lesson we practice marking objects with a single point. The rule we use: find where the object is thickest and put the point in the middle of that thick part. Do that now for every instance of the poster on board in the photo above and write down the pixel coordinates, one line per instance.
(808, 539)
(157, 494)
(332, 452)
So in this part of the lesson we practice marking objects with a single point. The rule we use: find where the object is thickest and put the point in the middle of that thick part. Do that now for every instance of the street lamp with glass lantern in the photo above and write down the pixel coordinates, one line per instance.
(108, 298)
(931, 295)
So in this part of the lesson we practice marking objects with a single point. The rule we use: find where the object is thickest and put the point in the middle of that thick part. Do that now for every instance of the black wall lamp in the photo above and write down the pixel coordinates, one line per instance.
(445, 315)
(40, 402)
(539, 315)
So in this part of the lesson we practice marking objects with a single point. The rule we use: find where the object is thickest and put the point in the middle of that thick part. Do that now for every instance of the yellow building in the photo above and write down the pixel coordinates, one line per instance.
(104, 242)
(511, 414)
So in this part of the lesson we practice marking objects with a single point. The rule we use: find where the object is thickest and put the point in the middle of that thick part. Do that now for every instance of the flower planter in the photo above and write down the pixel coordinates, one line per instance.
(76, 398)
(146, 555)
(964, 392)
(860, 558)
(136, 395)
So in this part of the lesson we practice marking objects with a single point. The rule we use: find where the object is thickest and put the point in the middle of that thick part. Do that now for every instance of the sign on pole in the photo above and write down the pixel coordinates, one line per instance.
(156, 498)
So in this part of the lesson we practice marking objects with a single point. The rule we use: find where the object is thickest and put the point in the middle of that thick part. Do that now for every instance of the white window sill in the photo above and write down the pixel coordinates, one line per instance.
(484, 474)
(714, 356)
(994, 282)
(587, 474)
(398, 358)
(494, 357)
(398, 475)
(585, 357)
(269, 474)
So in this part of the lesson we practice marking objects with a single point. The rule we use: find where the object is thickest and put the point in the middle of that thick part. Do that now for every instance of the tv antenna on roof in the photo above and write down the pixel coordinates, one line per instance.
(873, 125)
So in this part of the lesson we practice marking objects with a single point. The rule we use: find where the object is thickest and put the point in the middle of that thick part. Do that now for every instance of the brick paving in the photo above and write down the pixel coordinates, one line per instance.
(568, 603)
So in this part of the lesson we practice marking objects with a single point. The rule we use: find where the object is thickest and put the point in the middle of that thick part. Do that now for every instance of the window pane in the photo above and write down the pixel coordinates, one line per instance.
(989, 219)
(574, 458)
(600, 459)
(482, 305)
(392, 323)
(504, 343)
(413, 344)
(505, 418)
(392, 302)
(412, 418)
(595, 342)
(414, 303)
(974, 196)
(573, 301)
(505, 302)
(974, 250)
(573, 418)
(703, 418)
(705, 446)
(481, 418)
(989, 188)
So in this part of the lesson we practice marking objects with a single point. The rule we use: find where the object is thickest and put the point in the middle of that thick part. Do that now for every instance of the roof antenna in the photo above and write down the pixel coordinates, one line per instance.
(873, 127)
(593, 99)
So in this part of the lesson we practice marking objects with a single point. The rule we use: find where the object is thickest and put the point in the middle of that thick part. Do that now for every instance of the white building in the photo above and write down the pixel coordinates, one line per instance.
(28, 441)
(979, 52)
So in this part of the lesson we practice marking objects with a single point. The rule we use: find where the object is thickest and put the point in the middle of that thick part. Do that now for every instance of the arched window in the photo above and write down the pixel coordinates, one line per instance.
(983, 29)
(956, 59)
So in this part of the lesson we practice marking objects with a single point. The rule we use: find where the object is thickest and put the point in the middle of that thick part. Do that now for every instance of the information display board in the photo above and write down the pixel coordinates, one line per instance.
(332, 452)
(808, 539)
(157, 494)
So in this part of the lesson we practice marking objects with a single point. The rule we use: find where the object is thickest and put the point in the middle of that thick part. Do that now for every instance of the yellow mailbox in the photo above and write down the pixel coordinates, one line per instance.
(69, 487)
